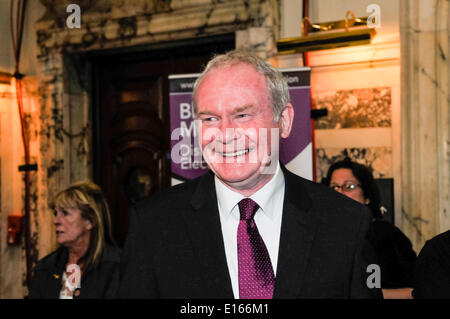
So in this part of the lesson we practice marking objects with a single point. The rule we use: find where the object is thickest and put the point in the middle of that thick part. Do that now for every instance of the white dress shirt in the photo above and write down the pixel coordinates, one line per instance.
(267, 219)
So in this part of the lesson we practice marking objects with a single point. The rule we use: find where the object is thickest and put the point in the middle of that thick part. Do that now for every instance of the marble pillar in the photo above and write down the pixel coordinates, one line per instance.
(425, 101)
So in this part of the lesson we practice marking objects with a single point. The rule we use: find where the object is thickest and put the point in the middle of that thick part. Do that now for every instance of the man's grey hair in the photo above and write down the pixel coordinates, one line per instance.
(276, 83)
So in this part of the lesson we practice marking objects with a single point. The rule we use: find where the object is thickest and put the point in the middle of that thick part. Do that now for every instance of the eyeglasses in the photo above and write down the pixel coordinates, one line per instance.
(347, 187)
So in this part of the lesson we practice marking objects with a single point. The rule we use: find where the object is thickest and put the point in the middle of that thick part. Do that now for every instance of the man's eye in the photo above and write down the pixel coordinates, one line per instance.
(209, 119)
(65, 212)
(242, 115)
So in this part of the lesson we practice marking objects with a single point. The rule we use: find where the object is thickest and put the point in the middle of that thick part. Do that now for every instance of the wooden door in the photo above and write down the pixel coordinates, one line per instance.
(131, 121)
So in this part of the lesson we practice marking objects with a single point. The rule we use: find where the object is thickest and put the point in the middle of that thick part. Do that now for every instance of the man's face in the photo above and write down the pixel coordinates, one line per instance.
(233, 105)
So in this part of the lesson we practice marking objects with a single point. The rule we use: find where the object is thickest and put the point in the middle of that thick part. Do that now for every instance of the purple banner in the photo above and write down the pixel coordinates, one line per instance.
(189, 164)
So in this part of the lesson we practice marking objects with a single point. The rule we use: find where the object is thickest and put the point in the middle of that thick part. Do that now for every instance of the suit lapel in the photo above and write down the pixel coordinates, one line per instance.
(205, 231)
(297, 233)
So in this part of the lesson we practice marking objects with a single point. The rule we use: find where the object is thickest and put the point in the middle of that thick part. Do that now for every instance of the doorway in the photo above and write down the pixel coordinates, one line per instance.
(131, 138)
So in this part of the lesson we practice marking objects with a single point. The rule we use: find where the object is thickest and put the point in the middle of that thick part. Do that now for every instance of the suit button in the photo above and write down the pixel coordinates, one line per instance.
(76, 293)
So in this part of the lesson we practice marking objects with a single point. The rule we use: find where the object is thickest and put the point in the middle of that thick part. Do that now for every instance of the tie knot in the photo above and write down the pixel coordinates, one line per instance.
(247, 208)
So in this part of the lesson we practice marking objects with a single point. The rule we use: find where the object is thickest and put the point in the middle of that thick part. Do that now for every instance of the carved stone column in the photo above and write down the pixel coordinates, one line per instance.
(262, 39)
(424, 31)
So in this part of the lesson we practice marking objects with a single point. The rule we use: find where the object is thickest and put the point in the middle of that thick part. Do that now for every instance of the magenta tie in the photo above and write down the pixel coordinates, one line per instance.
(256, 279)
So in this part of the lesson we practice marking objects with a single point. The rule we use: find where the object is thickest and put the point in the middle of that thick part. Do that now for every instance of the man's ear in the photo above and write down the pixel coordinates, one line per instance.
(286, 119)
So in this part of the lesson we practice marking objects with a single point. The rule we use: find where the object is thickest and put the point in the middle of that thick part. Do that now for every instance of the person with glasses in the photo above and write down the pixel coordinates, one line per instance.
(394, 250)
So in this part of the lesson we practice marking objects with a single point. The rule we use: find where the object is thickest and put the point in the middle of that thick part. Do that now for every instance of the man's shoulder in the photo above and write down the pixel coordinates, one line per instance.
(323, 198)
(438, 245)
(174, 198)
(442, 238)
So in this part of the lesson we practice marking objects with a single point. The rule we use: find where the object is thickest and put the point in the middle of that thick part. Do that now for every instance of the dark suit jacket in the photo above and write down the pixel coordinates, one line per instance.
(432, 270)
(174, 248)
(395, 255)
(100, 282)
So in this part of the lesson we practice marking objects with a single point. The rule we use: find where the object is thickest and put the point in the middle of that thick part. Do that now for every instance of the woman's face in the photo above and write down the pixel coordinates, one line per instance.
(71, 228)
(342, 179)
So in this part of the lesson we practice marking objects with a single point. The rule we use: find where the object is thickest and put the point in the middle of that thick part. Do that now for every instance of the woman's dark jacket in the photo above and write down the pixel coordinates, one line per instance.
(97, 283)
(395, 255)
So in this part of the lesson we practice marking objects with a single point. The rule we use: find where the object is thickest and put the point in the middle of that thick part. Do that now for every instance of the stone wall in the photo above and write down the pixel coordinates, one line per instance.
(425, 118)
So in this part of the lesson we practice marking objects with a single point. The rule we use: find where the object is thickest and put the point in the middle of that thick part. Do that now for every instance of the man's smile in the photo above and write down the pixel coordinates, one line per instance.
(235, 153)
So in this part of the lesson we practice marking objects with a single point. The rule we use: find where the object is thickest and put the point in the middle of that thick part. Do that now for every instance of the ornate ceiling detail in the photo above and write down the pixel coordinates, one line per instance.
(117, 23)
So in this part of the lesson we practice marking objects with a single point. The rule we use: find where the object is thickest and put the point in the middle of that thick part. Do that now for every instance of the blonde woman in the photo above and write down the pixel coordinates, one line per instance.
(86, 265)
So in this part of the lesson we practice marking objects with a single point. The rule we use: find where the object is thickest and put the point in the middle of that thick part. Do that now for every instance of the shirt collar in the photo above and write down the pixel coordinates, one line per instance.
(226, 198)
(267, 197)
(264, 197)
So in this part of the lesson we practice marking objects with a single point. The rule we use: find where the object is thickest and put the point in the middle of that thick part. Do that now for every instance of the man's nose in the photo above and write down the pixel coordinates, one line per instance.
(227, 132)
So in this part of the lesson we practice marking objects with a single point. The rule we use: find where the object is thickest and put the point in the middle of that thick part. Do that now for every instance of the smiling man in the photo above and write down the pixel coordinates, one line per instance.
(233, 103)
(249, 228)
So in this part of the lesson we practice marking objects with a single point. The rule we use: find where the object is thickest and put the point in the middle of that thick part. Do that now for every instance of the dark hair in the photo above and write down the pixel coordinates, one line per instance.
(364, 175)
